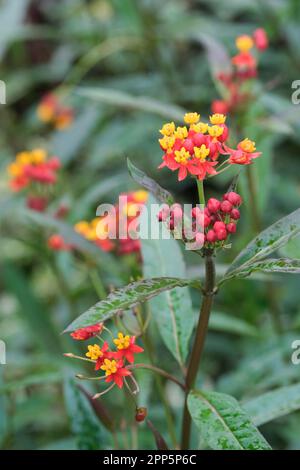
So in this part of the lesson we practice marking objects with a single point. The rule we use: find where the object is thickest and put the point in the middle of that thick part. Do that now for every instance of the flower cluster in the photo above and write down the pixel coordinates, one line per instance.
(128, 219)
(211, 226)
(245, 68)
(111, 362)
(220, 219)
(33, 167)
(50, 110)
(196, 149)
(124, 218)
(91, 231)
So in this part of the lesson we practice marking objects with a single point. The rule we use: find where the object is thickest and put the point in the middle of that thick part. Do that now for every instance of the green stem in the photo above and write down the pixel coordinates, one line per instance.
(159, 371)
(201, 192)
(199, 341)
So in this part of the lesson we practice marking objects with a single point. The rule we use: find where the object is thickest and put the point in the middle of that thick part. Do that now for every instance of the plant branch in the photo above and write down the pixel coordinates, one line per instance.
(199, 341)
(159, 371)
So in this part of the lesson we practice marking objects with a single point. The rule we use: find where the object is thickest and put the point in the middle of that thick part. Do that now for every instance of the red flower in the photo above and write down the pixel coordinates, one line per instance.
(36, 203)
(114, 371)
(88, 332)
(19, 182)
(260, 39)
(57, 243)
(244, 154)
(220, 107)
(104, 354)
(126, 347)
(244, 60)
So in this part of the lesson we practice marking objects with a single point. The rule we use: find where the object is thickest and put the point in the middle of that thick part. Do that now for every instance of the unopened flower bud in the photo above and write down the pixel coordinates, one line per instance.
(141, 414)
(234, 198)
(231, 227)
(219, 226)
(226, 207)
(235, 214)
(213, 205)
(211, 236)
(221, 234)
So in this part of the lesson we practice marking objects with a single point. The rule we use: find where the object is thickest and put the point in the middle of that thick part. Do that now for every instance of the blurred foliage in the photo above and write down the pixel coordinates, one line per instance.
(125, 66)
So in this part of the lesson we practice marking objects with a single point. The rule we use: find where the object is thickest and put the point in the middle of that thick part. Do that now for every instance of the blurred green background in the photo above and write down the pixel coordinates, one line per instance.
(127, 66)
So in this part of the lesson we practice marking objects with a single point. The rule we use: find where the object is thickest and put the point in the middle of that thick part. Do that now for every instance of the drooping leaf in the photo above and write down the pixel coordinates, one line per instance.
(33, 313)
(280, 265)
(84, 424)
(125, 100)
(272, 405)
(128, 297)
(223, 424)
(171, 311)
(161, 194)
(268, 241)
(159, 440)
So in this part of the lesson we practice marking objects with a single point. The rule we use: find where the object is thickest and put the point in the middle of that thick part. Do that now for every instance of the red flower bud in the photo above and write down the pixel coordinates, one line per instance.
(219, 226)
(219, 107)
(141, 414)
(221, 234)
(196, 212)
(211, 236)
(226, 207)
(234, 198)
(207, 220)
(199, 139)
(231, 227)
(213, 205)
(260, 39)
(200, 239)
(37, 203)
(189, 145)
(235, 214)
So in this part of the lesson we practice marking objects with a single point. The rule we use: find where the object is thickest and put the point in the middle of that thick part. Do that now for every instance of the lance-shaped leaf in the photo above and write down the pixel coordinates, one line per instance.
(161, 194)
(223, 424)
(125, 100)
(269, 240)
(272, 405)
(280, 265)
(128, 297)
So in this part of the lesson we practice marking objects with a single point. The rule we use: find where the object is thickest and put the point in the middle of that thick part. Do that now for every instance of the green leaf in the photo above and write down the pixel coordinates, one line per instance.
(220, 321)
(68, 143)
(84, 424)
(108, 263)
(125, 100)
(172, 311)
(223, 424)
(272, 405)
(12, 14)
(31, 310)
(280, 265)
(271, 239)
(161, 194)
(128, 297)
